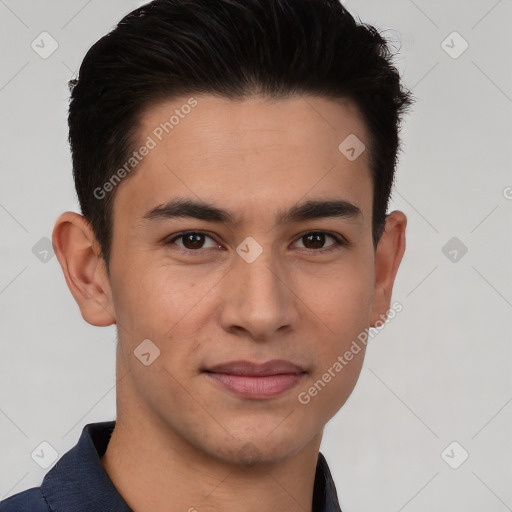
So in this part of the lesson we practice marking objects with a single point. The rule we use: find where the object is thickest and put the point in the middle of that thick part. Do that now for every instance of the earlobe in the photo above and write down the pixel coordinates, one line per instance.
(78, 253)
(388, 256)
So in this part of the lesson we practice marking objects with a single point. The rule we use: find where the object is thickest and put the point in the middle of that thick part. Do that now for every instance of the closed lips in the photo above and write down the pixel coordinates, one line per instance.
(254, 369)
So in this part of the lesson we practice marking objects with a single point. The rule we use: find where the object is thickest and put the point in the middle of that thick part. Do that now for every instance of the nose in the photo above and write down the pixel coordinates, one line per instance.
(258, 298)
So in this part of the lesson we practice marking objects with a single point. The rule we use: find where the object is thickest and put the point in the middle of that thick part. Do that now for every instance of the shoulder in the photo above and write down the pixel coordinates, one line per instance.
(30, 500)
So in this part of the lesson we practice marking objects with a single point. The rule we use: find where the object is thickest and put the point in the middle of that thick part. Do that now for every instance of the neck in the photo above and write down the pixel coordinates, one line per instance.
(153, 467)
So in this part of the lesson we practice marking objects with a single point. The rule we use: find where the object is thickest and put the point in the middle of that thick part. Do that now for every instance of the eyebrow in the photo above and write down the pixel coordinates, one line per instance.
(309, 210)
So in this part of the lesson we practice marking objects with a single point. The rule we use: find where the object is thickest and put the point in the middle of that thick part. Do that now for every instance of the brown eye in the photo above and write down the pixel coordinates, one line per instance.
(193, 241)
(314, 240)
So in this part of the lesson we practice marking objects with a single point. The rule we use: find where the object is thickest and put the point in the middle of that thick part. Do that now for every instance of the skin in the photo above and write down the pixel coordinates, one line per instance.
(181, 439)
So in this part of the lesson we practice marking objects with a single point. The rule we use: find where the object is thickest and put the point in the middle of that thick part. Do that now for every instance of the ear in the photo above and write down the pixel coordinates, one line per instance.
(84, 269)
(390, 250)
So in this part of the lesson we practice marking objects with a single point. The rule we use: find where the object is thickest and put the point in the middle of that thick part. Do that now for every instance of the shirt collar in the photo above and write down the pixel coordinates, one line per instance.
(79, 483)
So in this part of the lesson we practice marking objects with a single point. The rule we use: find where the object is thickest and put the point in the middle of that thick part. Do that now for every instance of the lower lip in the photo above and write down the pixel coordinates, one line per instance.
(257, 387)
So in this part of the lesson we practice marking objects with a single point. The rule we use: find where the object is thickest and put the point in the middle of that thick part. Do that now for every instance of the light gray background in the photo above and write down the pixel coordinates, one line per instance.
(438, 373)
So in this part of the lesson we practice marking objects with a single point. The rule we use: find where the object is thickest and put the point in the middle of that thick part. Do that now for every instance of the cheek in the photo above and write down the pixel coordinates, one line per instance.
(346, 308)
(341, 299)
(150, 300)
(343, 307)
(334, 383)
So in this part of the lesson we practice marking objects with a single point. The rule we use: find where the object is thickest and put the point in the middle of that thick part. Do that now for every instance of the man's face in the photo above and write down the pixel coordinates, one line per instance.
(303, 299)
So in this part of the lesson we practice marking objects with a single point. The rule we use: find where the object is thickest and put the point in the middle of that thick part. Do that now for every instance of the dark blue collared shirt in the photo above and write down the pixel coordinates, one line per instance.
(79, 483)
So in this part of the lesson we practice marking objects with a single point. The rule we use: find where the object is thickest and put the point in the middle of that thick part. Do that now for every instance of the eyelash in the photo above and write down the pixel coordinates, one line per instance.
(339, 242)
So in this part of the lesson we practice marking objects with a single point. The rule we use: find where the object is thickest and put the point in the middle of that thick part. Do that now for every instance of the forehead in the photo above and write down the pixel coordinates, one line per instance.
(234, 124)
(248, 154)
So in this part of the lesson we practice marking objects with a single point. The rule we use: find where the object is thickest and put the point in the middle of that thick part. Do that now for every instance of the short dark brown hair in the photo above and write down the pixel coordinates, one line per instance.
(232, 48)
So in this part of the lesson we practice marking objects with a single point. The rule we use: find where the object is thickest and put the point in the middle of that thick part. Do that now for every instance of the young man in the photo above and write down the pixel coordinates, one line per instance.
(233, 160)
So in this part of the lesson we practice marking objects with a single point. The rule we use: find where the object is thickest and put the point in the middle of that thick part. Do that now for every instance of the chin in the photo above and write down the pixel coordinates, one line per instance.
(257, 450)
